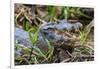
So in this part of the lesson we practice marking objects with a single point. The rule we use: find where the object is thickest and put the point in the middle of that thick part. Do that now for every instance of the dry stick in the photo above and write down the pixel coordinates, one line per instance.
(72, 59)
(71, 36)
(18, 16)
(27, 18)
(83, 56)
(80, 45)
(44, 22)
(26, 60)
(66, 60)
(22, 10)
(68, 34)
(87, 56)
(69, 54)
(33, 14)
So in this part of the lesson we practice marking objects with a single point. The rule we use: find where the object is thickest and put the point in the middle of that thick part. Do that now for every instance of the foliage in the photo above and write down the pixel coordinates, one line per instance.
(32, 24)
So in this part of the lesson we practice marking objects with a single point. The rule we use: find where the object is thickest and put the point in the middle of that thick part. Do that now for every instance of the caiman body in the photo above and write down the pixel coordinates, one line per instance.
(51, 32)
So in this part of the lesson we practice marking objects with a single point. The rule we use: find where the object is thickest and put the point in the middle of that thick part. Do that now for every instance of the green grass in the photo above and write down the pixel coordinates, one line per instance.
(52, 13)
(41, 54)
(84, 34)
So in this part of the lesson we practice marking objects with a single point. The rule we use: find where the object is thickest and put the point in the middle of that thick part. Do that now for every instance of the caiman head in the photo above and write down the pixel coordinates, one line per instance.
(59, 34)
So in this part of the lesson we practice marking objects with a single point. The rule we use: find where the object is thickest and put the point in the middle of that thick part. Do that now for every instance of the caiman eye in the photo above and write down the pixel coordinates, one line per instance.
(45, 33)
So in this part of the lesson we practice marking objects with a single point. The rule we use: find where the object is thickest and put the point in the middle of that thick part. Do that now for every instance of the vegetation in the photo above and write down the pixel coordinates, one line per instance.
(32, 18)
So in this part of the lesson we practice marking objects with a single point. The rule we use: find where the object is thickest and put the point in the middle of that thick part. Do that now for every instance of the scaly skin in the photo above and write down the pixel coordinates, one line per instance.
(51, 32)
